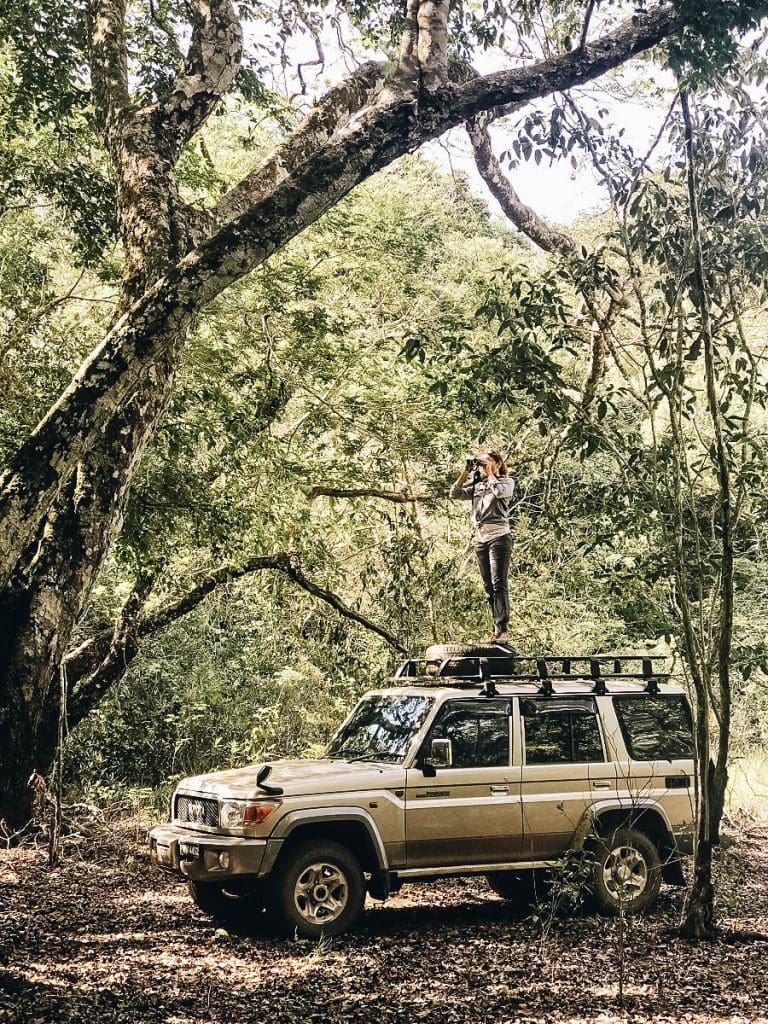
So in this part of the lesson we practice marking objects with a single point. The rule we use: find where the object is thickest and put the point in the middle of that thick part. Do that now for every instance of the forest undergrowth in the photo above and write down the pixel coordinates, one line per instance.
(106, 937)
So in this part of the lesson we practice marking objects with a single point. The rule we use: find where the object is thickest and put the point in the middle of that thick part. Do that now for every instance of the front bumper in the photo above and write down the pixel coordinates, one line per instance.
(206, 857)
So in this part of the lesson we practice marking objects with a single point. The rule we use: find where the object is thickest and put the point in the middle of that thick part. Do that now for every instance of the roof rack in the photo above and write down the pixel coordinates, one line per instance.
(471, 670)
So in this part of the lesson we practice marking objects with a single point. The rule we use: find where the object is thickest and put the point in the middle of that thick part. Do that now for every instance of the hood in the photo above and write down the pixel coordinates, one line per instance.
(297, 778)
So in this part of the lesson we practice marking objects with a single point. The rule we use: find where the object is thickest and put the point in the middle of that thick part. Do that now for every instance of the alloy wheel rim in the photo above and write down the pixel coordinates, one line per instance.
(321, 893)
(625, 873)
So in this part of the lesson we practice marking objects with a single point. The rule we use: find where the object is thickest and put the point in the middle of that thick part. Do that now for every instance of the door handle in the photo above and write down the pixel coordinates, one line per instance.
(601, 785)
(499, 789)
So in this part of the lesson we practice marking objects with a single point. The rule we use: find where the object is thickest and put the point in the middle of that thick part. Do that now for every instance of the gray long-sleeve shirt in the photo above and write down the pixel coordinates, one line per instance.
(491, 501)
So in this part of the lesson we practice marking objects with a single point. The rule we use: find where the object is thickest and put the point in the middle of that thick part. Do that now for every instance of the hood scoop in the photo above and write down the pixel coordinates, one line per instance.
(264, 774)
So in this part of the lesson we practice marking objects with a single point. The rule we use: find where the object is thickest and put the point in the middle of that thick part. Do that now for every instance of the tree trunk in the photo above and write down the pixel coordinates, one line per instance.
(699, 919)
(52, 579)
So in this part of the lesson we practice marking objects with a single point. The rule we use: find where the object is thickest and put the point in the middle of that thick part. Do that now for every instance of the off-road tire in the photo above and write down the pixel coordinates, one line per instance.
(318, 889)
(439, 652)
(436, 654)
(626, 876)
(240, 901)
(518, 887)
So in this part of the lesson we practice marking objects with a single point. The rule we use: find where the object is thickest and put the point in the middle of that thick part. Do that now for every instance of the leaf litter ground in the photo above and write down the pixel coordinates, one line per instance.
(105, 938)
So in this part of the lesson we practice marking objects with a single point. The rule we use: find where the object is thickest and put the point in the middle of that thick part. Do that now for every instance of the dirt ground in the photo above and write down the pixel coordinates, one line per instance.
(105, 938)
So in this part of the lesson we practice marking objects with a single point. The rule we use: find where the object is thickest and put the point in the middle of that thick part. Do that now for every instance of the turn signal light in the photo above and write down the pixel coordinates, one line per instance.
(256, 813)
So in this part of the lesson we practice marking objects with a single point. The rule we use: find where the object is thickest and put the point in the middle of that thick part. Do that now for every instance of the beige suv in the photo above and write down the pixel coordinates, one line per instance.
(475, 761)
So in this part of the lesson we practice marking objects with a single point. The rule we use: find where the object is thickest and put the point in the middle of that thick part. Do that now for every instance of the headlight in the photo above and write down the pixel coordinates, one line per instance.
(231, 813)
(239, 813)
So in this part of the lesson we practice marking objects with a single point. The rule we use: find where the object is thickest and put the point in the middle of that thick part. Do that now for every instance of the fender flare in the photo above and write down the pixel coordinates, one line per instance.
(632, 808)
(327, 815)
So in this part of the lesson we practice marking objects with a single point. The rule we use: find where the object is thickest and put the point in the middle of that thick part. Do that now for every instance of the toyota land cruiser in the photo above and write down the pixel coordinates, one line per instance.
(474, 761)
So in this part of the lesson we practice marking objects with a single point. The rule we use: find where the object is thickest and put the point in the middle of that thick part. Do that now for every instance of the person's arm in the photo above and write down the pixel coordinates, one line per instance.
(460, 488)
(501, 486)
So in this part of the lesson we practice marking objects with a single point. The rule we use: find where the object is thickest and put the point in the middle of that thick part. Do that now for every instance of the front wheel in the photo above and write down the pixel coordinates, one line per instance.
(319, 889)
(626, 876)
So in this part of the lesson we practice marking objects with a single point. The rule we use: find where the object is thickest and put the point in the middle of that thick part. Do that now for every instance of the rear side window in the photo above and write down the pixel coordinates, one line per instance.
(655, 728)
(557, 732)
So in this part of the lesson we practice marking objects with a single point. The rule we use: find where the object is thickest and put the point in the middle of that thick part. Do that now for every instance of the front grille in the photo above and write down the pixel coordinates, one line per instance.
(197, 809)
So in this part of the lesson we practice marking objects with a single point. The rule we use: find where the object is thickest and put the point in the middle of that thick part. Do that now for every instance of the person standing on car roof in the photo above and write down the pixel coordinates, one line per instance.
(485, 482)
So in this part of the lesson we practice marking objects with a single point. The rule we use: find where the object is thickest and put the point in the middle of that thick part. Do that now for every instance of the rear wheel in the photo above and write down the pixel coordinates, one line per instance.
(238, 899)
(318, 889)
(626, 876)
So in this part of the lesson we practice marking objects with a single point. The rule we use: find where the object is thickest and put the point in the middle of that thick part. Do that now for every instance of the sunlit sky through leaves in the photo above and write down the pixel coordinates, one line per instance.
(636, 99)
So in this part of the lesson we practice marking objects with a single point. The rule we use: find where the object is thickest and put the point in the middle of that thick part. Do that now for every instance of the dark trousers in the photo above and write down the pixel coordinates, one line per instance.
(493, 559)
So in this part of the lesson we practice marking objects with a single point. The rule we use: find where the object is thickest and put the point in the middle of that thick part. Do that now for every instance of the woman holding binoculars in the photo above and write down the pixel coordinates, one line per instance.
(486, 483)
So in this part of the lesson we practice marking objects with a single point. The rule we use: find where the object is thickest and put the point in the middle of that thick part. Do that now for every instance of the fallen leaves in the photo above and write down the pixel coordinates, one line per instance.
(108, 939)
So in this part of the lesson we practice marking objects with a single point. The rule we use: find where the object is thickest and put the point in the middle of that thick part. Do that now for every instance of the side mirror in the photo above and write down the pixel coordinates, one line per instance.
(440, 754)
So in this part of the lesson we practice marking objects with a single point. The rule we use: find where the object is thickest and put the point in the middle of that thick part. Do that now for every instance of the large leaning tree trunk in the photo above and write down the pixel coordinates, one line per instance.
(63, 494)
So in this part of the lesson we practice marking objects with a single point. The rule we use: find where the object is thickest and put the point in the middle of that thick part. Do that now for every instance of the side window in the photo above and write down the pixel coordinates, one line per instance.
(478, 731)
(560, 733)
(655, 728)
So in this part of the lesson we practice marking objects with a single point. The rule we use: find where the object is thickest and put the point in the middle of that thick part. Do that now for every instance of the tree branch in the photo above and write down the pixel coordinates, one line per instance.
(384, 133)
(109, 65)
(523, 217)
(325, 119)
(433, 43)
(404, 497)
(212, 62)
(585, 26)
(334, 601)
(97, 663)
(403, 82)
(423, 63)
(551, 240)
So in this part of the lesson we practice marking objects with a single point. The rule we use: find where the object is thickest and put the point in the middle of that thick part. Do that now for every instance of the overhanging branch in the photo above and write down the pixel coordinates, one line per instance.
(404, 497)
(318, 183)
(325, 119)
(523, 217)
(387, 132)
(100, 661)
(550, 239)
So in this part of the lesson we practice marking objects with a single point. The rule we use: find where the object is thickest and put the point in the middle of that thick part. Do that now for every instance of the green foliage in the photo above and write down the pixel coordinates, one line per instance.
(707, 51)
(378, 349)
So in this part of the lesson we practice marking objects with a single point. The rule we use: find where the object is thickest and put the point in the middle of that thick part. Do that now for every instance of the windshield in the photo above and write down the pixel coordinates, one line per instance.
(381, 729)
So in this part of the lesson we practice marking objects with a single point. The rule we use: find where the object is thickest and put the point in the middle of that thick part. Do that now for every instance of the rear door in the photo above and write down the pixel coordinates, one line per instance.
(468, 813)
(565, 770)
(657, 736)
